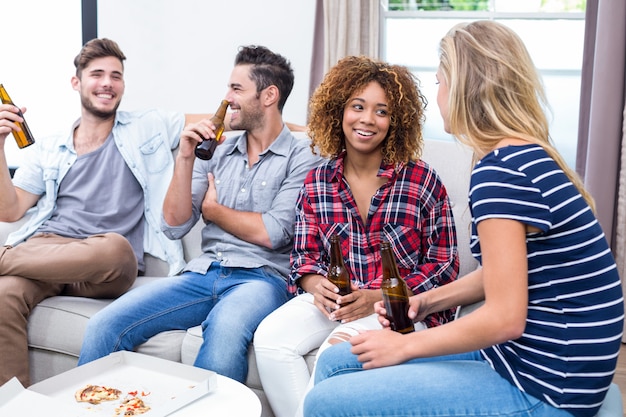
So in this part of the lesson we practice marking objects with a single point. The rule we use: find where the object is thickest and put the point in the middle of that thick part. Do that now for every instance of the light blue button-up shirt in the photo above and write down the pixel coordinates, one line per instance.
(269, 187)
(145, 140)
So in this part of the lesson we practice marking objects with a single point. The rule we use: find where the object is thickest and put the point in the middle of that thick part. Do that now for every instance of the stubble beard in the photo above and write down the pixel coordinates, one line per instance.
(248, 120)
(101, 114)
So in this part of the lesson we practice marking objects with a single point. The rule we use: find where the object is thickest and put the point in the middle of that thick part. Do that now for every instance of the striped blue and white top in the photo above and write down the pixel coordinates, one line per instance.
(568, 352)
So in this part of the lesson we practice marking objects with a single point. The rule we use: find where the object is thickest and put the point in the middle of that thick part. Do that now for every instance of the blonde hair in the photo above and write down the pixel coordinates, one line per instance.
(495, 91)
(404, 141)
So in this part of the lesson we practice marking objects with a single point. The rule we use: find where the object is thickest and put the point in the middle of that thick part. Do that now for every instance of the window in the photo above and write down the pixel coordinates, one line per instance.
(553, 31)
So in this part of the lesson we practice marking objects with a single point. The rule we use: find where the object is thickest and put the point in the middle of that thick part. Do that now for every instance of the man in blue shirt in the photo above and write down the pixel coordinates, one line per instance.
(246, 196)
(95, 196)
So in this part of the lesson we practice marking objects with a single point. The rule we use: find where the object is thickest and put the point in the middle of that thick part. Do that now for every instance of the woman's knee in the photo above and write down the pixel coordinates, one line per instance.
(333, 359)
(319, 401)
(339, 337)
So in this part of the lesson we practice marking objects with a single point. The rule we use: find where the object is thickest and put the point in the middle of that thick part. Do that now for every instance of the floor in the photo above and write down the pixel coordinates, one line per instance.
(620, 375)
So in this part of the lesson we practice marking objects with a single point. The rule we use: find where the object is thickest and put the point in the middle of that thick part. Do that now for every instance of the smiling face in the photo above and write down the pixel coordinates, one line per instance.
(101, 86)
(245, 102)
(366, 120)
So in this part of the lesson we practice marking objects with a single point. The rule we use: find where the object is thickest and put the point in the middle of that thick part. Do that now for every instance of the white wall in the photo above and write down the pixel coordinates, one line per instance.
(179, 53)
(40, 39)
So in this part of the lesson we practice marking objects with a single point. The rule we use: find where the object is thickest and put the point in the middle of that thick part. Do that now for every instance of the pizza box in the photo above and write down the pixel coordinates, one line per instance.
(165, 386)
(15, 400)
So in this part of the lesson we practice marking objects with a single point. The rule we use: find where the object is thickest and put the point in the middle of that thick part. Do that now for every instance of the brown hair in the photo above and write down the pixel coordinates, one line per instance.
(351, 75)
(97, 48)
(268, 68)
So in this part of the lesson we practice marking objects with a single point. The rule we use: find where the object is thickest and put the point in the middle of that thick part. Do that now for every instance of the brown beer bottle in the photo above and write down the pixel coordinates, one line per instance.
(337, 272)
(205, 149)
(395, 292)
(23, 138)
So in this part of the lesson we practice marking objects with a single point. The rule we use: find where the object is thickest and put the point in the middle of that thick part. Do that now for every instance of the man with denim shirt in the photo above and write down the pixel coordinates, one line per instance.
(246, 196)
(149, 137)
(96, 199)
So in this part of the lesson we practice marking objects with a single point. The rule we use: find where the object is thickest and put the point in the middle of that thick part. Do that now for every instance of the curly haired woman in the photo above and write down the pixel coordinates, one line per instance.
(366, 117)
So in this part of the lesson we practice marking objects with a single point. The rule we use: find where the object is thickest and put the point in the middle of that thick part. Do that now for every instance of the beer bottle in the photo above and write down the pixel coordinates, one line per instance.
(23, 138)
(337, 272)
(395, 292)
(204, 150)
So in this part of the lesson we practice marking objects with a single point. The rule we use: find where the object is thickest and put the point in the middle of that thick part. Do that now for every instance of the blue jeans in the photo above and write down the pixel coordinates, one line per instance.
(456, 385)
(229, 303)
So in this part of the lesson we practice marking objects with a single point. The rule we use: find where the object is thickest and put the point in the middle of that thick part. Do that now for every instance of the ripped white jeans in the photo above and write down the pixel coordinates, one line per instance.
(285, 336)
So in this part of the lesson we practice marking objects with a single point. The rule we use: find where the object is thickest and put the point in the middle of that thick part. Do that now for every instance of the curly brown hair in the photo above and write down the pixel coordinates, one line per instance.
(351, 75)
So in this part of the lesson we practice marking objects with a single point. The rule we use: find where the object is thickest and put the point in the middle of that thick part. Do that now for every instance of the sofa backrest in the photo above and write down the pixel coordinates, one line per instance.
(191, 247)
(453, 163)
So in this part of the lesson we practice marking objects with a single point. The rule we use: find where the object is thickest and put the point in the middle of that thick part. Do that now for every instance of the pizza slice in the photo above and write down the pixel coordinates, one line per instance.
(95, 394)
(132, 406)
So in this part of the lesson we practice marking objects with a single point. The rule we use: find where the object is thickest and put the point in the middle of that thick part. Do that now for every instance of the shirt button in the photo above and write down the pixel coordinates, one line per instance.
(219, 254)
(263, 183)
(243, 190)
(217, 181)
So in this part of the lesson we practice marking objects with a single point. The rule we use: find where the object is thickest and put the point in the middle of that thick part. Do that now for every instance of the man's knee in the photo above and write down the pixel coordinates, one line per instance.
(115, 250)
(118, 246)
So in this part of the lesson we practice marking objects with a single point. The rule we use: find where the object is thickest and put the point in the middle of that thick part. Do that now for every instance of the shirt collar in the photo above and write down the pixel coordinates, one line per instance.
(120, 117)
(280, 146)
(69, 140)
(336, 172)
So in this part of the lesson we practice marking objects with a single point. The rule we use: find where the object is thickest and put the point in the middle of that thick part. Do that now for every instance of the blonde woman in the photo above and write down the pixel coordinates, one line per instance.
(546, 340)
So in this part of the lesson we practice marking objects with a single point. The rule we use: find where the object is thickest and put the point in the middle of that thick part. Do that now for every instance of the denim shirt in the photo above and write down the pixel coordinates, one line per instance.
(145, 140)
(269, 187)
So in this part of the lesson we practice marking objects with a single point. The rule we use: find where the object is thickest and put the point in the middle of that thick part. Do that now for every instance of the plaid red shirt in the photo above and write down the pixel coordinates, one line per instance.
(412, 211)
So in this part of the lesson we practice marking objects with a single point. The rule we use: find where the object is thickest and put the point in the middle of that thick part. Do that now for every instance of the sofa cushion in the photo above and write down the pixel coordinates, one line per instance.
(74, 313)
(68, 317)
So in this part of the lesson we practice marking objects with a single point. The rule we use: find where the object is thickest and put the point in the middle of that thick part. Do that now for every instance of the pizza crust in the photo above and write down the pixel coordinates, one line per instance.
(95, 394)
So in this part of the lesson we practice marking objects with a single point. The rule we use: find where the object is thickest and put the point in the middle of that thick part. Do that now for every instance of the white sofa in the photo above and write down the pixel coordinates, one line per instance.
(57, 324)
